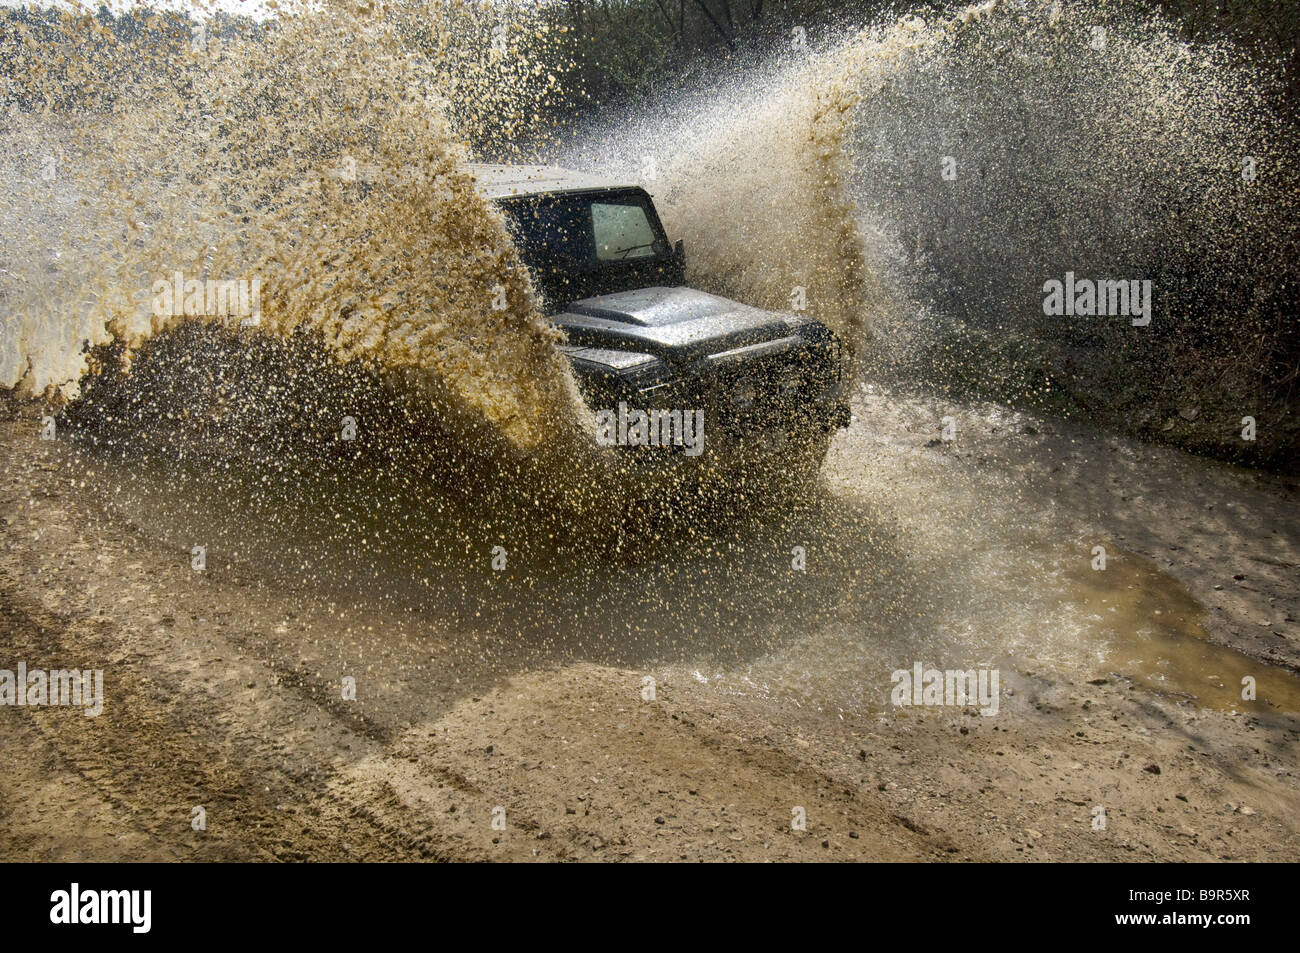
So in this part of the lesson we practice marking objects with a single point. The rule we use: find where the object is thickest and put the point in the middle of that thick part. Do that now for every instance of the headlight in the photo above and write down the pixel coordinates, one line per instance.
(659, 388)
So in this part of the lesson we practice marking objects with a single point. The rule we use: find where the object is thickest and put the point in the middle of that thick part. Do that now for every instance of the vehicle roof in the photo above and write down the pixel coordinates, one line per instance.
(503, 181)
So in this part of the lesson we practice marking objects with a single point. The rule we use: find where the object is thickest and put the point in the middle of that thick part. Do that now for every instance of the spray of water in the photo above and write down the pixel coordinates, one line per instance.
(309, 162)
(927, 177)
(1082, 138)
(320, 154)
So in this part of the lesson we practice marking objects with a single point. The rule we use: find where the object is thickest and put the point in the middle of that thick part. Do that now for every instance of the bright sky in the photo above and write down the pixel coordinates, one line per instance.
(258, 9)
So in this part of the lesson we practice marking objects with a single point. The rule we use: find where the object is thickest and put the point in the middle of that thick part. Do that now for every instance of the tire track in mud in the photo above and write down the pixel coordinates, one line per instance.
(210, 702)
(201, 746)
(164, 745)
(551, 750)
(183, 724)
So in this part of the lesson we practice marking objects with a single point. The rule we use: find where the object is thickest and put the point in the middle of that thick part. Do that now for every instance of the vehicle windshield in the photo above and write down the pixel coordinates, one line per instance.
(577, 235)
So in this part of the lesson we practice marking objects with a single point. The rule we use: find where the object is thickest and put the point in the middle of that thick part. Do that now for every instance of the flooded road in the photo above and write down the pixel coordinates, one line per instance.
(697, 659)
(961, 553)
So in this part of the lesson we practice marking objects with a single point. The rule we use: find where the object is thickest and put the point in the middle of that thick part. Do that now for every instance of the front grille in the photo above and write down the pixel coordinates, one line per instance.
(766, 392)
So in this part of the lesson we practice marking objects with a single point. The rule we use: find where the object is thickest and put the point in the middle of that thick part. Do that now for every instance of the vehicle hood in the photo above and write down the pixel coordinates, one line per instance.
(672, 323)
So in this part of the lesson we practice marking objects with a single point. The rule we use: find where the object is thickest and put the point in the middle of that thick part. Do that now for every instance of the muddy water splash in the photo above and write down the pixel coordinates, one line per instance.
(926, 177)
(1040, 138)
(319, 156)
(307, 160)
(1081, 137)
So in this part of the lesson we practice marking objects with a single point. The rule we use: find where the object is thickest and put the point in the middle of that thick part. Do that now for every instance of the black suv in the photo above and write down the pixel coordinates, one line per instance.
(639, 338)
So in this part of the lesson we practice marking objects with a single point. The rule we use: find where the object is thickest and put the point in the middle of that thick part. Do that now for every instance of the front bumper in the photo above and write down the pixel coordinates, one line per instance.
(793, 385)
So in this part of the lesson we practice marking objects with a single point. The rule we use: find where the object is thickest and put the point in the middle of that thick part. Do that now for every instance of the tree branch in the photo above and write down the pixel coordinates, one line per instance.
(716, 25)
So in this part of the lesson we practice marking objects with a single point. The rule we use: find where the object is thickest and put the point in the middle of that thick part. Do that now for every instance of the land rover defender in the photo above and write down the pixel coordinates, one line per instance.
(638, 337)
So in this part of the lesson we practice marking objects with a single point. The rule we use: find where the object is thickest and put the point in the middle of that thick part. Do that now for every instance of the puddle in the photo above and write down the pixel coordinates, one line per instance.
(1152, 632)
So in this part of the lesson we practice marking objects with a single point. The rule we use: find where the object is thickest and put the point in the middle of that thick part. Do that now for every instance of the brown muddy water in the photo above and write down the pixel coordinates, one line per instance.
(1153, 630)
(913, 553)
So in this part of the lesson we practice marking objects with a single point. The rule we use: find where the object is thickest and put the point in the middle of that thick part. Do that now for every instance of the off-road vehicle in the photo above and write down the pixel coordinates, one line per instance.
(638, 337)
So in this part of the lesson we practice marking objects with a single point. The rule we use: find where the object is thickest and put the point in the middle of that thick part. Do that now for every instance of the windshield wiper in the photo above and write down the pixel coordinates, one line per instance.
(624, 252)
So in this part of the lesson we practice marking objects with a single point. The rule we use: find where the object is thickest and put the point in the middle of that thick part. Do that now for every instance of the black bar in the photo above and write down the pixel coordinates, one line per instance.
(333, 902)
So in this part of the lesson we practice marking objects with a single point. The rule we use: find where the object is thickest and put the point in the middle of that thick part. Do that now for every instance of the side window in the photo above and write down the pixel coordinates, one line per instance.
(547, 229)
(622, 231)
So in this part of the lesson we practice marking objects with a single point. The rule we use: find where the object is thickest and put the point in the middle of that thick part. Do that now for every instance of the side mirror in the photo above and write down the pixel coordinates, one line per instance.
(679, 252)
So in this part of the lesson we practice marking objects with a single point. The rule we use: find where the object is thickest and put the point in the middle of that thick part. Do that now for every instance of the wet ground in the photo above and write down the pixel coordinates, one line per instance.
(682, 695)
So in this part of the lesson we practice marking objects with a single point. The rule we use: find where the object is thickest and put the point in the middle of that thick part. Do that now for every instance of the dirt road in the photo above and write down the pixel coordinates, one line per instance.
(1120, 734)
